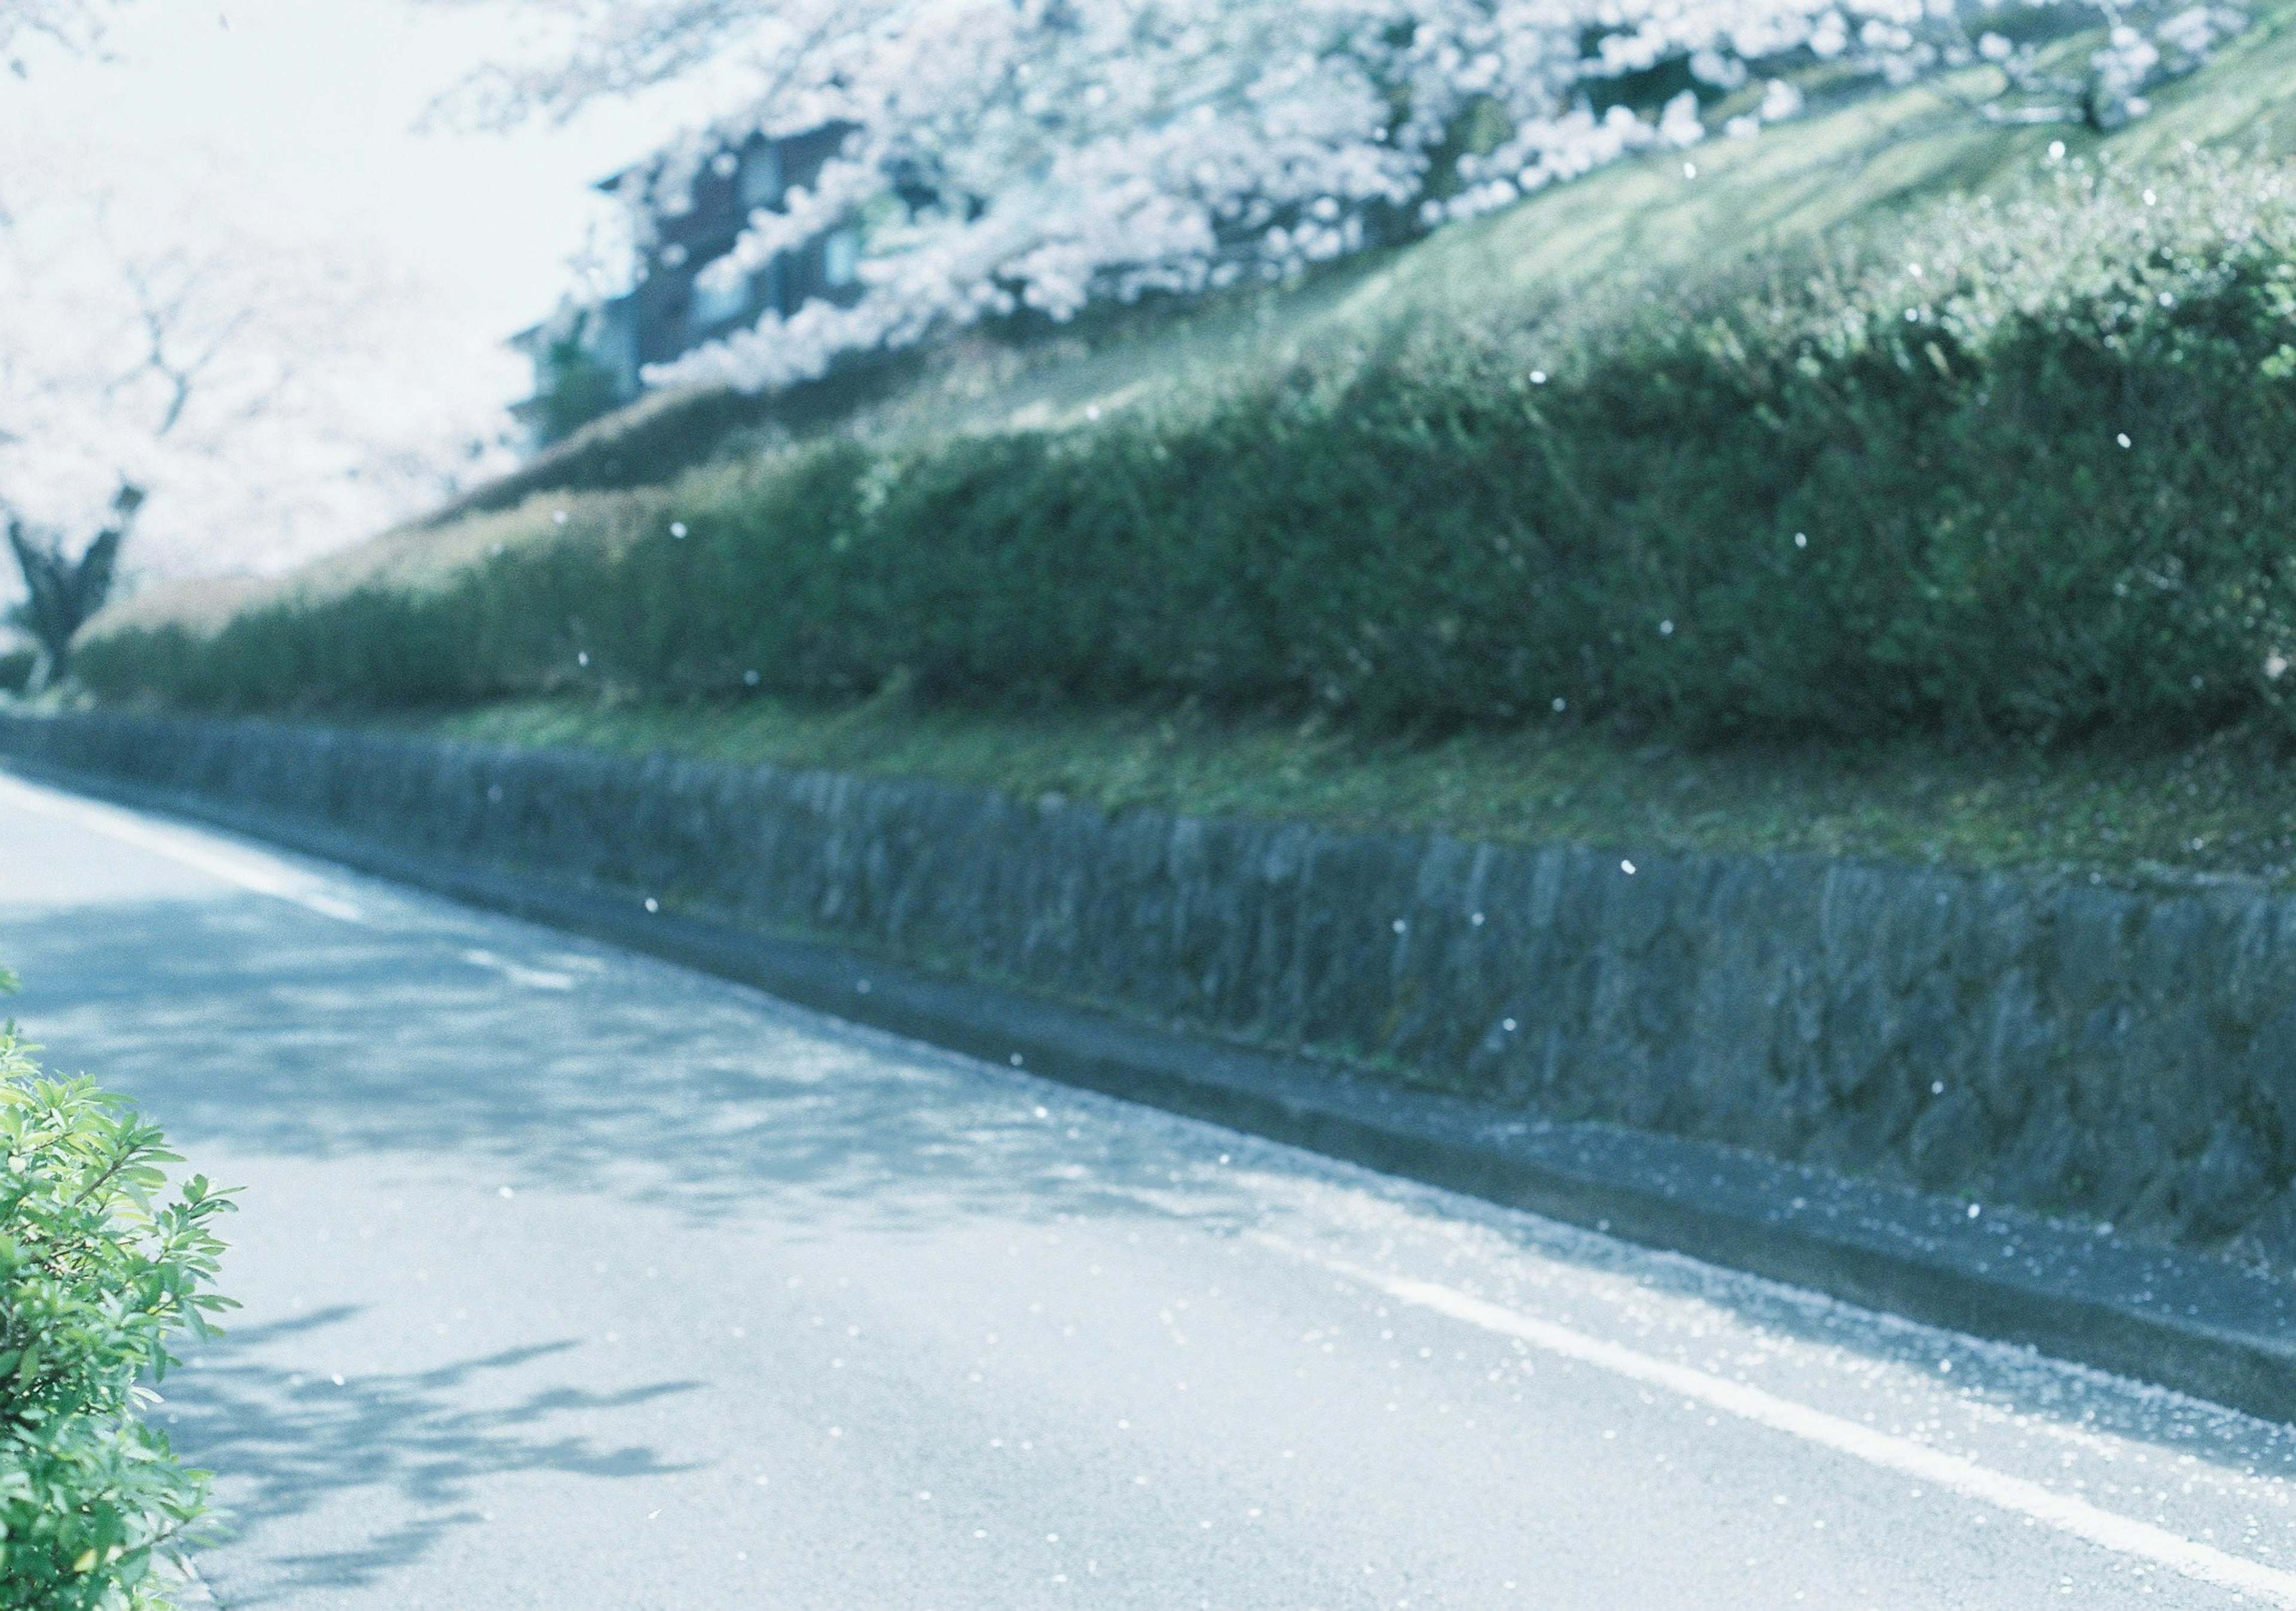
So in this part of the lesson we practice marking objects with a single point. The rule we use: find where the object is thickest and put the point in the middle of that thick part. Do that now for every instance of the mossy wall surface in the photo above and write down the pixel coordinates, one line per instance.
(2127, 1055)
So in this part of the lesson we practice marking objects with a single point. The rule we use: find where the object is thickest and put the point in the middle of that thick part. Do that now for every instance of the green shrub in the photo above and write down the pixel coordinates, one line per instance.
(2008, 467)
(575, 388)
(95, 1279)
(663, 433)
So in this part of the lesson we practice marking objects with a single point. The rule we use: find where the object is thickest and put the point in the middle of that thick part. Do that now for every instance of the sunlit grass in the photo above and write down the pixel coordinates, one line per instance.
(2225, 807)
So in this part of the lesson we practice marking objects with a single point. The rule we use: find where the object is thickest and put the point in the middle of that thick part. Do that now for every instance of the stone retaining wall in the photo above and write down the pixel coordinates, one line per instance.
(2131, 1056)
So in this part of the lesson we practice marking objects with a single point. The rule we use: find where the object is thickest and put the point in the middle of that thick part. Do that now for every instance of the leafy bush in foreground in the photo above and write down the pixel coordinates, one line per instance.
(2012, 466)
(94, 1279)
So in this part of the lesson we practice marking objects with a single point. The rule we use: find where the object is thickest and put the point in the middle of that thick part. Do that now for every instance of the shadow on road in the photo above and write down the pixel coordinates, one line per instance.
(245, 1019)
(408, 1444)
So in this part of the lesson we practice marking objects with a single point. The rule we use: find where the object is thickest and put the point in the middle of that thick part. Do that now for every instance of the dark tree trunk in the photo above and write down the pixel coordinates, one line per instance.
(64, 593)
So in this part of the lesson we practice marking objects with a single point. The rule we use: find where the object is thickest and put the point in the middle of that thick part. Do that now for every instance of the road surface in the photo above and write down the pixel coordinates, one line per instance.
(575, 1280)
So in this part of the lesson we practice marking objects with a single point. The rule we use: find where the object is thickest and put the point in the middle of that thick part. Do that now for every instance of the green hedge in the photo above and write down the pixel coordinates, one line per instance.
(664, 433)
(96, 1275)
(2016, 466)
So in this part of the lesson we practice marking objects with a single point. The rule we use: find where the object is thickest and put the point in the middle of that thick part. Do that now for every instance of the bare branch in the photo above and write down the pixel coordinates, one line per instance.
(157, 329)
(619, 47)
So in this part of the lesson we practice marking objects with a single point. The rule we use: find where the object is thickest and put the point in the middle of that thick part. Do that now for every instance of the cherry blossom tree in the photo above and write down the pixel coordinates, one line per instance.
(1037, 154)
(63, 591)
(241, 394)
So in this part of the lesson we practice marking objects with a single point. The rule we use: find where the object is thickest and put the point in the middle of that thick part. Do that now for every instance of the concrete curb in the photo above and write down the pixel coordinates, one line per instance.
(2203, 1326)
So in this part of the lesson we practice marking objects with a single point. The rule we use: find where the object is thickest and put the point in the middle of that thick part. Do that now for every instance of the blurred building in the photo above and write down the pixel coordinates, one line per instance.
(676, 305)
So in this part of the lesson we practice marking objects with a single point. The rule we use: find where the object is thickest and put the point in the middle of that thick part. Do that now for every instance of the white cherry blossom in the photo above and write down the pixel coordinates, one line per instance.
(1047, 153)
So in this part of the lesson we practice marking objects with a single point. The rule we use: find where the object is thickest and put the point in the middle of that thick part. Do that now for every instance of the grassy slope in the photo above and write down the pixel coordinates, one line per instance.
(2227, 807)
(1856, 161)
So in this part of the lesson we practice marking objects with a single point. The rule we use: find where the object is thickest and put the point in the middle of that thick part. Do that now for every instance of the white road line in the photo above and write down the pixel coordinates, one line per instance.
(1952, 1472)
(533, 978)
(246, 869)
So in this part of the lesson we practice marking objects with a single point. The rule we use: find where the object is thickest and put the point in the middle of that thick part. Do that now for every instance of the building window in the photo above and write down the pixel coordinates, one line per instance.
(841, 258)
(718, 295)
(761, 176)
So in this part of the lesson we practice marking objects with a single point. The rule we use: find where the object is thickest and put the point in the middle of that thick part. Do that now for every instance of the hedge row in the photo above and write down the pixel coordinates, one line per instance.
(2016, 466)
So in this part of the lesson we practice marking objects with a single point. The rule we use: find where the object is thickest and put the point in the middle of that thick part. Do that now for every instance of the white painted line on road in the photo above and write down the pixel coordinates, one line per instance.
(533, 978)
(1952, 1472)
(249, 870)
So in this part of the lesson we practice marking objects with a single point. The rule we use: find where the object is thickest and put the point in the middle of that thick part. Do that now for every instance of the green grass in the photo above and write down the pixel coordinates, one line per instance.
(2145, 817)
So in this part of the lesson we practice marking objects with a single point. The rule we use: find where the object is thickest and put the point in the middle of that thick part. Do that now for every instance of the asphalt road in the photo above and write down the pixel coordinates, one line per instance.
(574, 1279)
